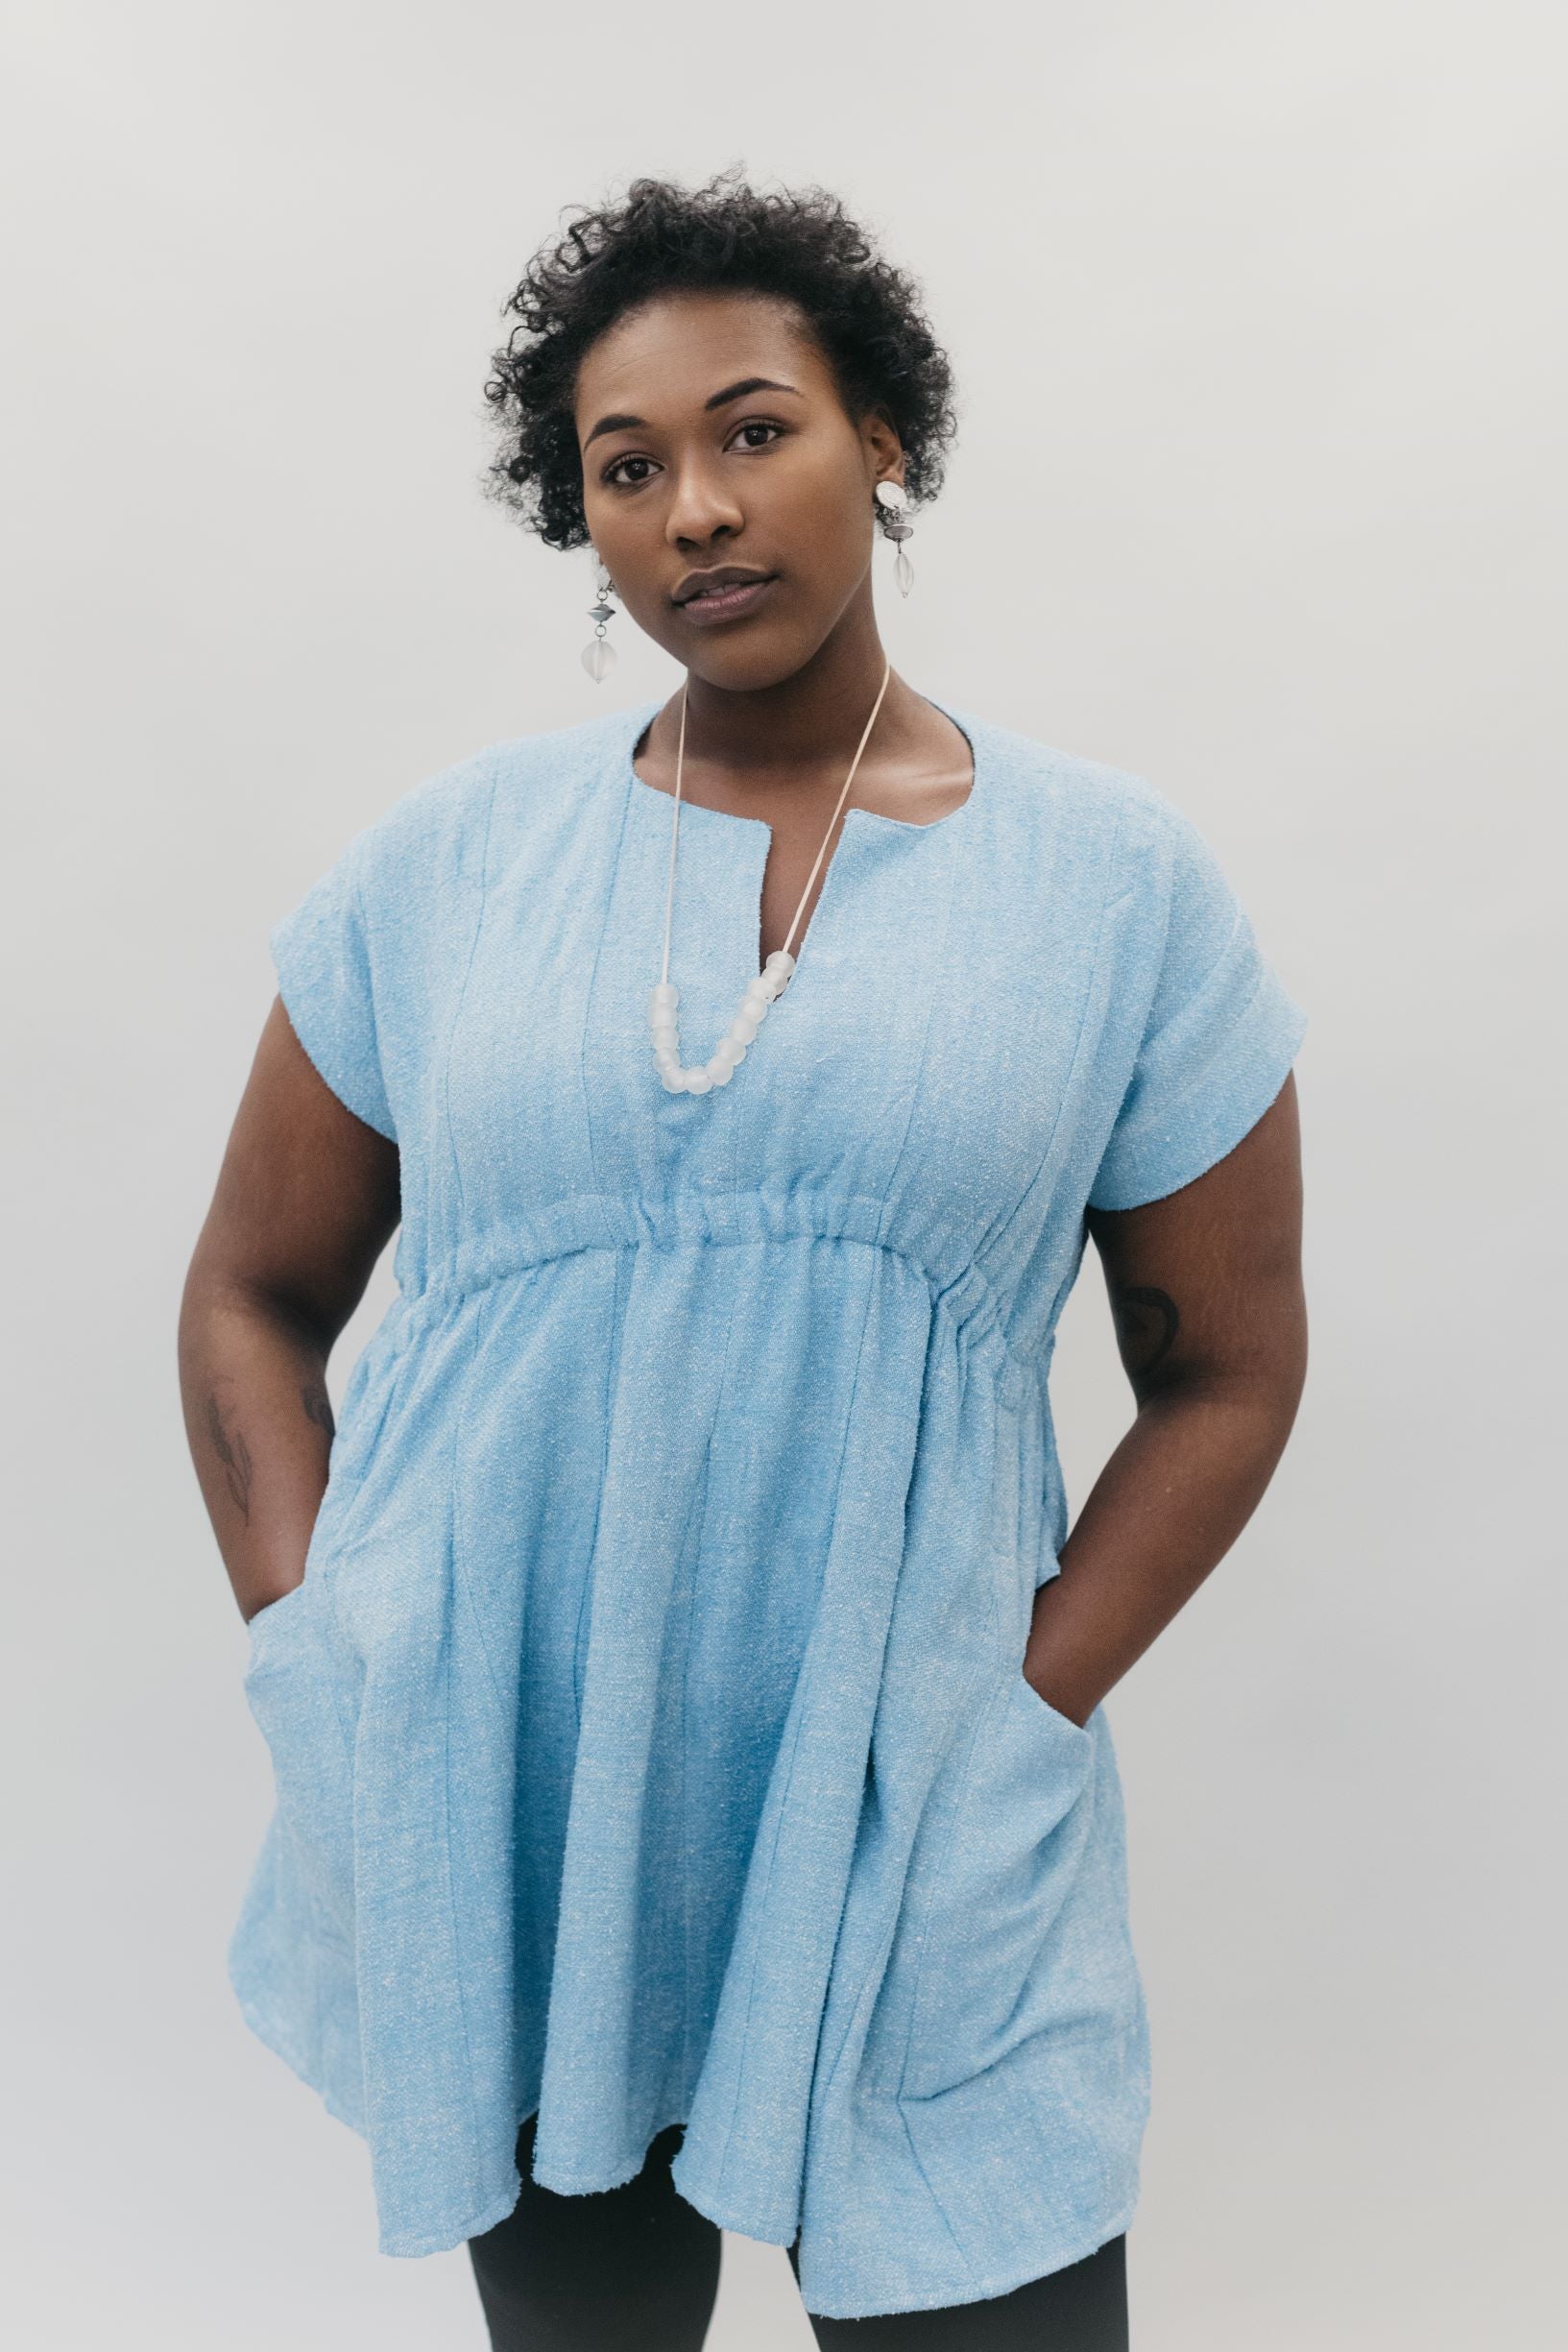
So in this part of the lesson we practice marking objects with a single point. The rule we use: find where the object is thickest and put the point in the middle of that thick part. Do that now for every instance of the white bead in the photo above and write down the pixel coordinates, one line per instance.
(762, 991)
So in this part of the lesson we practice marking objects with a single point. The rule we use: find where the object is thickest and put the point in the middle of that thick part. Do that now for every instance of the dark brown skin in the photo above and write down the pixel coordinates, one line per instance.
(1205, 1286)
(1211, 1322)
(784, 481)
(306, 1201)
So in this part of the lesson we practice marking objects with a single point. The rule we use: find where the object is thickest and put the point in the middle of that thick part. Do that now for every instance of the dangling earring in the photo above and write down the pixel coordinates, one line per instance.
(598, 654)
(893, 497)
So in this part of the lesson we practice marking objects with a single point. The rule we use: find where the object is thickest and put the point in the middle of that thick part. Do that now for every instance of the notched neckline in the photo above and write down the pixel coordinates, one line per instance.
(644, 715)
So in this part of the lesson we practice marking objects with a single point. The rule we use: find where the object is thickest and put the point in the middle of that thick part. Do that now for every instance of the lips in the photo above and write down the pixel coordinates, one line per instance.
(719, 583)
(731, 602)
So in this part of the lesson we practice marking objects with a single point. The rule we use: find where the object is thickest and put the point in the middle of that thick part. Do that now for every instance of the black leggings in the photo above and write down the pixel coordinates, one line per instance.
(636, 2269)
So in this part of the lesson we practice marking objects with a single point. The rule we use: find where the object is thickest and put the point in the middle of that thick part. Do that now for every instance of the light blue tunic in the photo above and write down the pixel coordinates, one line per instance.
(649, 1733)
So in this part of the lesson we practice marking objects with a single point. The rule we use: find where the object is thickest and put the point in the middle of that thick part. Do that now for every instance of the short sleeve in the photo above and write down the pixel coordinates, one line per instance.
(322, 956)
(1217, 1045)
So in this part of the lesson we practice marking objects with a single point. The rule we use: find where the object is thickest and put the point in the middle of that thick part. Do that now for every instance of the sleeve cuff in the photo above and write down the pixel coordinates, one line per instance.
(1218, 1105)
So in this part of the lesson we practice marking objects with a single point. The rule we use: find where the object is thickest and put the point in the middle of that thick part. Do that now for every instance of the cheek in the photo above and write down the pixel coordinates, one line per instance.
(614, 545)
(823, 542)
(834, 568)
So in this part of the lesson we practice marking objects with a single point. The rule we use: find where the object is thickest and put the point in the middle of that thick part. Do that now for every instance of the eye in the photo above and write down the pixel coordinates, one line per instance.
(610, 471)
(750, 425)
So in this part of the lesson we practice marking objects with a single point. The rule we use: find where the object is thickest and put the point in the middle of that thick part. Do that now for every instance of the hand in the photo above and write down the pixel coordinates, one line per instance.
(1062, 1707)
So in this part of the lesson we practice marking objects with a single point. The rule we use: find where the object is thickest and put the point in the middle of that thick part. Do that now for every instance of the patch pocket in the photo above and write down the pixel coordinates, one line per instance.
(299, 1701)
(1022, 1931)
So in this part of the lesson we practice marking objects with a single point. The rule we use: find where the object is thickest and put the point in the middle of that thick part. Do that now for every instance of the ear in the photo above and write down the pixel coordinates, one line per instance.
(885, 450)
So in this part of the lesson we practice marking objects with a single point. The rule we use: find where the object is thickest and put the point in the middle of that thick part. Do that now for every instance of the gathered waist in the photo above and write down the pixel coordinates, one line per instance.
(798, 1219)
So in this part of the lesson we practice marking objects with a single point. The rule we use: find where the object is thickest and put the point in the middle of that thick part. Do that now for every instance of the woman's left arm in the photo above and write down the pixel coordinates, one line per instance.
(1211, 1322)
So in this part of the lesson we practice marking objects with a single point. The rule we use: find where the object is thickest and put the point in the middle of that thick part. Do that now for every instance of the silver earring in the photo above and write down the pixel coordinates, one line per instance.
(598, 654)
(893, 497)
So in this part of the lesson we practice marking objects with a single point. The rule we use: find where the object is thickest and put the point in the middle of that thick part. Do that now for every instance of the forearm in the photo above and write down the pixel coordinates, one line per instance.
(1166, 1507)
(259, 1425)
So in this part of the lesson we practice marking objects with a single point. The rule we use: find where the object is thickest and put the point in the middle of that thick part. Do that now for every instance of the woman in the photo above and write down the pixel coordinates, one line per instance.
(696, 1808)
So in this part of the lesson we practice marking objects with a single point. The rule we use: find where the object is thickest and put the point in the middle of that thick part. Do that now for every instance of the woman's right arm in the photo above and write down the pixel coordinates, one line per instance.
(306, 1201)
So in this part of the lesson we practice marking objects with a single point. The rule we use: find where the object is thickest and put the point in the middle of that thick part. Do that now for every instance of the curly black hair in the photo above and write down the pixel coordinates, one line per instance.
(794, 243)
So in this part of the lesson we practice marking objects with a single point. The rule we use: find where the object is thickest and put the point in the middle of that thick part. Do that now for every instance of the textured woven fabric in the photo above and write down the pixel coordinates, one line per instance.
(650, 1731)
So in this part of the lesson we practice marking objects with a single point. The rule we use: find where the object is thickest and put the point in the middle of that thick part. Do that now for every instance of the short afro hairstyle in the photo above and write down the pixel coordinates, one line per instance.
(798, 244)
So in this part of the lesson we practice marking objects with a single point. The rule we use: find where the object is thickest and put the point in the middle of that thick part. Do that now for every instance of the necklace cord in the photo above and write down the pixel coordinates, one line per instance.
(675, 821)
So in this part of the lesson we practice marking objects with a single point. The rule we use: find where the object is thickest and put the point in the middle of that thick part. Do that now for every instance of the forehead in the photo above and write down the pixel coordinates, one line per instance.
(669, 354)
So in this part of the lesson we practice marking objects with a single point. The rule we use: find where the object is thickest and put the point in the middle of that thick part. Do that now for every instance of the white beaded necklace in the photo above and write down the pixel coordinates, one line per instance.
(770, 982)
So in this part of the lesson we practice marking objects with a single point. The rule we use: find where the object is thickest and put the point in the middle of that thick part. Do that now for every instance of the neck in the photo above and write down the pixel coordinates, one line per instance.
(807, 725)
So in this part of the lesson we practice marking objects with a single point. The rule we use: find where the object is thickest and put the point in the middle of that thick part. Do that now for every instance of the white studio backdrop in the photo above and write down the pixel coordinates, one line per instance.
(1257, 320)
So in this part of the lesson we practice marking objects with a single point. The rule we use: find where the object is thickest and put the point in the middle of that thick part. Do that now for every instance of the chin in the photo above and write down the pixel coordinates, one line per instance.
(745, 664)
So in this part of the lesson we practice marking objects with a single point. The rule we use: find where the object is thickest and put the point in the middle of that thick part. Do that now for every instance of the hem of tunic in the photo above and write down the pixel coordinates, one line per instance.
(723, 2217)
(413, 2248)
(273, 2038)
(996, 2283)
(279, 2043)
(563, 2184)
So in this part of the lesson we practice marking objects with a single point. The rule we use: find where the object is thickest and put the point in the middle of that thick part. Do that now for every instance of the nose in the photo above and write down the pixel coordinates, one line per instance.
(700, 508)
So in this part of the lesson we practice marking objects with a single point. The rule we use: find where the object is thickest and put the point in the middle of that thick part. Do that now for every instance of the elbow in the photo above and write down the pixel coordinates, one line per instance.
(1260, 1376)
(221, 1293)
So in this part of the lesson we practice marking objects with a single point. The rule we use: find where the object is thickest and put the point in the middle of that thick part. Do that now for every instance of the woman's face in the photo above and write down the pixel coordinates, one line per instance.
(684, 471)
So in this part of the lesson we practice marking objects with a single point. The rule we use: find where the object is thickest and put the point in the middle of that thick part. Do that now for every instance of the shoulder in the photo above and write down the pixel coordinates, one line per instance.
(1138, 872)
(1134, 830)
(441, 828)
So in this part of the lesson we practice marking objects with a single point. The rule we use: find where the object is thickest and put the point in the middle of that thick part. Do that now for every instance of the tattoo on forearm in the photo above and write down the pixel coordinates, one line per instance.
(1147, 1323)
(234, 1455)
(317, 1405)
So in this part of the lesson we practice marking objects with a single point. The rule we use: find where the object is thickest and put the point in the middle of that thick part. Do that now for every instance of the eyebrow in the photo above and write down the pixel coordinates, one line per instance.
(715, 399)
